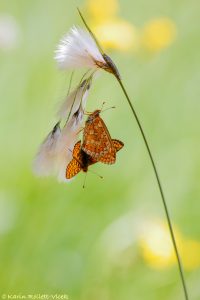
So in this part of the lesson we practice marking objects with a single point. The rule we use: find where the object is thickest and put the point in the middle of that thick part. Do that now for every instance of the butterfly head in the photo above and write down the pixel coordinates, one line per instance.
(94, 115)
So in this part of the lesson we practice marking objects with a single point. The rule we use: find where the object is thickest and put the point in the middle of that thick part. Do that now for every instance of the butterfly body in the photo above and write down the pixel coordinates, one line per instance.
(80, 161)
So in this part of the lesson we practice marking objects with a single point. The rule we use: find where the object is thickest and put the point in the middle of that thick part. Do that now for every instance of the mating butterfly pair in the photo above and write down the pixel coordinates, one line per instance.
(98, 146)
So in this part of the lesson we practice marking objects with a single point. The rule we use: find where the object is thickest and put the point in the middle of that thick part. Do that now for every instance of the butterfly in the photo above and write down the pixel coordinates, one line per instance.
(97, 141)
(81, 160)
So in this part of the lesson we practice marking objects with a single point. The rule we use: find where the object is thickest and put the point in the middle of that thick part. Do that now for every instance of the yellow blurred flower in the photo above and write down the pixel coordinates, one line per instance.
(157, 248)
(158, 34)
(112, 31)
(102, 9)
(191, 254)
(117, 34)
(156, 245)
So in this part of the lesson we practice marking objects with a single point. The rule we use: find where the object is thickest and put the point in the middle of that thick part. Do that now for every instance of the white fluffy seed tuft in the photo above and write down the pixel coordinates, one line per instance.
(78, 96)
(78, 49)
(55, 152)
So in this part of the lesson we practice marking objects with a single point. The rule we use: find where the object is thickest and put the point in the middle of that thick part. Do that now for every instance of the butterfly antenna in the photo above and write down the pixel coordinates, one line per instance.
(96, 174)
(85, 180)
(101, 110)
(108, 109)
(103, 105)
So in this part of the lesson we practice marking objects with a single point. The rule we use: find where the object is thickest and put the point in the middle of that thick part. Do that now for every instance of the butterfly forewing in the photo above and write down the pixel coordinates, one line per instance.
(73, 168)
(97, 141)
(76, 150)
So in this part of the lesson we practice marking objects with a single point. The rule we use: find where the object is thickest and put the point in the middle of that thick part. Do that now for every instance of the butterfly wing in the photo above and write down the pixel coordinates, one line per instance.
(96, 139)
(110, 158)
(76, 150)
(118, 145)
(73, 168)
(75, 165)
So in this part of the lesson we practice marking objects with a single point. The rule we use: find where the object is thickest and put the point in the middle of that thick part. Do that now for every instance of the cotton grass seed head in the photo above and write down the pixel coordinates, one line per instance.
(56, 151)
(66, 142)
(45, 161)
(79, 49)
(76, 98)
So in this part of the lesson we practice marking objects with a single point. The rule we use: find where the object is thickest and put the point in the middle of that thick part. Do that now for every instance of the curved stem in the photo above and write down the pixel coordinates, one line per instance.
(161, 191)
(90, 31)
(116, 74)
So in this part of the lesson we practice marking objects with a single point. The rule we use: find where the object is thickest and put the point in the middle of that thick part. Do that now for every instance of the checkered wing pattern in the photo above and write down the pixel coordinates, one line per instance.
(73, 168)
(97, 141)
(110, 157)
(118, 145)
(80, 161)
(77, 151)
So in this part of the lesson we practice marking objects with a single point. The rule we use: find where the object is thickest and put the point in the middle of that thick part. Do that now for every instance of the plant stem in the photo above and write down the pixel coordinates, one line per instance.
(116, 74)
(90, 31)
(161, 191)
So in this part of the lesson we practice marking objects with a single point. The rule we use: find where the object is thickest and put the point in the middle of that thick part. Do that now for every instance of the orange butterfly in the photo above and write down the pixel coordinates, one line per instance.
(81, 160)
(97, 141)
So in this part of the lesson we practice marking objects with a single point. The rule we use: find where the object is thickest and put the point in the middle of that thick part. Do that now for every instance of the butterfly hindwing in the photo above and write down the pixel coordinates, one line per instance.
(118, 145)
(110, 158)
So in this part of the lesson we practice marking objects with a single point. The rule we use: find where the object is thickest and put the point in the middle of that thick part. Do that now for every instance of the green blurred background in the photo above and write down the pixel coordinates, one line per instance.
(57, 237)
